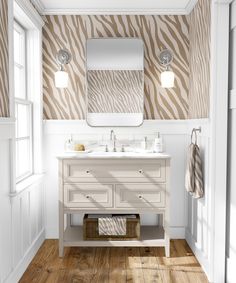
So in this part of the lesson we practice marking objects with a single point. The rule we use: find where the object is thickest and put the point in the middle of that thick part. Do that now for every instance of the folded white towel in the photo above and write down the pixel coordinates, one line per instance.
(194, 176)
(112, 226)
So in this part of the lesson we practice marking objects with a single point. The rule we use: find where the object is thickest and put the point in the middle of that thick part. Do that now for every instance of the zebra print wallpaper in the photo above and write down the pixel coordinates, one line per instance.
(199, 60)
(157, 32)
(4, 63)
(115, 91)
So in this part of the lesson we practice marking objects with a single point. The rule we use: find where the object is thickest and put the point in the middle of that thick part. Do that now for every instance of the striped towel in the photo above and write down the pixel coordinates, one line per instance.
(194, 176)
(112, 226)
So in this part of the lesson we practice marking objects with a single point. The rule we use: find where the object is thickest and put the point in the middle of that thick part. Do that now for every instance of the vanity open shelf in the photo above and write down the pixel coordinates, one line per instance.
(93, 184)
(153, 236)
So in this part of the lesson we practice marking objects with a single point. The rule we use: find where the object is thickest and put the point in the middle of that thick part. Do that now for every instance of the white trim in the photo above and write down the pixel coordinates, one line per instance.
(218, 142)
(233, 16)
(232, 99)
(190, 6)
(115, 12)
(39, 6)
(231, 271)
(167, 127)
(25, 261)
(24, 7)
(25, 184)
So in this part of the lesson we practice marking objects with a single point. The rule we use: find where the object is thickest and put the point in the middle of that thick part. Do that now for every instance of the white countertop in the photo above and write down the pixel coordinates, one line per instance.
(113, 155)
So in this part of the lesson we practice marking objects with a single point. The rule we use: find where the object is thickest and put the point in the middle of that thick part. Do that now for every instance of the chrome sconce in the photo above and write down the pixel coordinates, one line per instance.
(63, 57)
(167, 76)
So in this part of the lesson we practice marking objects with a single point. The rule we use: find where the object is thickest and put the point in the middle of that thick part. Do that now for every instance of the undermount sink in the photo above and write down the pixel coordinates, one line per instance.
(112, 153)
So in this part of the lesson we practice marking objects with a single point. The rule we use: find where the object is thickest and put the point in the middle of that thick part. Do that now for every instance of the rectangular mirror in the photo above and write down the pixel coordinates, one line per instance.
(115, 82)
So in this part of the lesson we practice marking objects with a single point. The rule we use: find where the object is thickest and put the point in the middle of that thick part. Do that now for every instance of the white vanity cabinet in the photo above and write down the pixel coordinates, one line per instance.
(124, 185)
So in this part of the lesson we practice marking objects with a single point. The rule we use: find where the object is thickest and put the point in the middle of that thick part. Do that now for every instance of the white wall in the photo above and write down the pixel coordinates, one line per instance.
(175, 135)
(21, 215)
(231, 199)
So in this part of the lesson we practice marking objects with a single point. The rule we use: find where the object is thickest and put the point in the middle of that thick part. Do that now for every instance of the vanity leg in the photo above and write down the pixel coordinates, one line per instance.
(167, 247)
(68, 220)
(61, 230)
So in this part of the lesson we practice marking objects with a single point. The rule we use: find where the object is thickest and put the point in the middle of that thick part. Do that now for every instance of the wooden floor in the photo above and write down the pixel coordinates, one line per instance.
(114, 265)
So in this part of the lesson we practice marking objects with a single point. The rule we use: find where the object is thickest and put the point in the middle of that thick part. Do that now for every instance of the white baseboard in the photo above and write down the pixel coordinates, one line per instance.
(17, 273)
(231, 271)
(203, 260)
(177, 232)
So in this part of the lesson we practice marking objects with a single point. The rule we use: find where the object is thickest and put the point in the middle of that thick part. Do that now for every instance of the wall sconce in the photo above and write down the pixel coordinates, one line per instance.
(167, 77)
(63, 57)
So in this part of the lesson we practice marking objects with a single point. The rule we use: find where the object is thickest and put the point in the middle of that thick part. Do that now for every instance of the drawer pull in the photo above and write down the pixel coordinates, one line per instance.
(140, 197)
(87, 196)
(140, 171)
(87, 171)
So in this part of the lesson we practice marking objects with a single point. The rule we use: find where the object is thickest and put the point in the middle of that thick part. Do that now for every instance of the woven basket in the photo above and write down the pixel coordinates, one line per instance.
(90, 230)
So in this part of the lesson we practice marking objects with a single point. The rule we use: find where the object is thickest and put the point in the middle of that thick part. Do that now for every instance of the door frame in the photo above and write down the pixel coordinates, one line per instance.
(219, 131)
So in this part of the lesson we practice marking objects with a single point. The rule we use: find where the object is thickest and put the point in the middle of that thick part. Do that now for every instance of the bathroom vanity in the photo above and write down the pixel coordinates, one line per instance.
(124, 183)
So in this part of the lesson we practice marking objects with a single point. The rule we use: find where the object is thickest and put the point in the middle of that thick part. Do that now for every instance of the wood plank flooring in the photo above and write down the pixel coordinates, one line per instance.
(114, 265)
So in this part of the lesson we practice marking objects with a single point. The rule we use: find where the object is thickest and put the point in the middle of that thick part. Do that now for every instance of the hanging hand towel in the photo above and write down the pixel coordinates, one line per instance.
(194, 176)
(112, 226)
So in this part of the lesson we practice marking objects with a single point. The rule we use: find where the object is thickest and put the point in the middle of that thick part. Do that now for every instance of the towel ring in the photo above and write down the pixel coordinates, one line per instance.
(194, 131)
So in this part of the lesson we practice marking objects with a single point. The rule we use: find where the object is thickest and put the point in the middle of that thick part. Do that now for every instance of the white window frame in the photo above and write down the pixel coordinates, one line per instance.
(26, 16)
(24, 101)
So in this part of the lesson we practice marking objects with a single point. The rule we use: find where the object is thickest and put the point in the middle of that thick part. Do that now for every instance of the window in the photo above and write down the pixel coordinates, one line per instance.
(23, 107)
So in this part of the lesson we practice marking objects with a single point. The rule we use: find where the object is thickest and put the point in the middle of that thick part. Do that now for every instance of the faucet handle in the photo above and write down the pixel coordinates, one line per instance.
(106, 148)
(122, 148)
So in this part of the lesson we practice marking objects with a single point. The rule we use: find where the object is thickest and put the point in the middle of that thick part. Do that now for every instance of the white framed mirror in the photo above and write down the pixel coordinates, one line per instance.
(115, 81)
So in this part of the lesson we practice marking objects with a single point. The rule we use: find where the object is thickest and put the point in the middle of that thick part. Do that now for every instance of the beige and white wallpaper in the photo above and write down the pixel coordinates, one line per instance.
(199, 60)
(4, 62)
(187, 36)
(157, 32)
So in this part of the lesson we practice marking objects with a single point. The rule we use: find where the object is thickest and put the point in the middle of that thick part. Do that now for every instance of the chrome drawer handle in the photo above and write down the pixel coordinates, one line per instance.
(140, 171)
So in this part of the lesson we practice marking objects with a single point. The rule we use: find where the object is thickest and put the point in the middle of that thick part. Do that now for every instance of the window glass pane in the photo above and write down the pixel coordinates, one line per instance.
(23, 120)
(23, 157)
(17, 47)
(19, 82)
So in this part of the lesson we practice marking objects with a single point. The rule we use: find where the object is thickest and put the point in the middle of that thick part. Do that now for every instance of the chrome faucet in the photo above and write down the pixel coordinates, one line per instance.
(113, 139)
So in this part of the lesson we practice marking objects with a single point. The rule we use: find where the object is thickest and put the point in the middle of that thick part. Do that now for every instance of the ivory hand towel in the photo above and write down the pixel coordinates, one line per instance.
(194, 176)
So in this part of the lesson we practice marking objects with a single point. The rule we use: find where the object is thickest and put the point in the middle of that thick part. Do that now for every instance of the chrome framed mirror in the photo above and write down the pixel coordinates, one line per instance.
(115, 81)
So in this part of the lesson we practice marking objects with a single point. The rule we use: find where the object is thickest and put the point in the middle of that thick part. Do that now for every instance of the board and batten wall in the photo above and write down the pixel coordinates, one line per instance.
(4, 60)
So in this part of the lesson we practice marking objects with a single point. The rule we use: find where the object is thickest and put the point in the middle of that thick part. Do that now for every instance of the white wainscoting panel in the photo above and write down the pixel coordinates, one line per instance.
(21, 215)
(199, 225)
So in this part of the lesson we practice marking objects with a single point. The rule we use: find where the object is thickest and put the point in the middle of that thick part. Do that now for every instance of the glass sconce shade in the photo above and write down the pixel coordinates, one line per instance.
(167, 79)
(61, 79)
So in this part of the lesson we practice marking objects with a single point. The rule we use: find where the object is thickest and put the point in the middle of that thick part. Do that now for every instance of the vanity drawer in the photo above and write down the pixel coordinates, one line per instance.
(88, 195)
(144, 170)
(140, 195)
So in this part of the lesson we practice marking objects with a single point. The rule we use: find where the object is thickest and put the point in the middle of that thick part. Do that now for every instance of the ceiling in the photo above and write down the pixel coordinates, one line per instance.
(115, 6)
